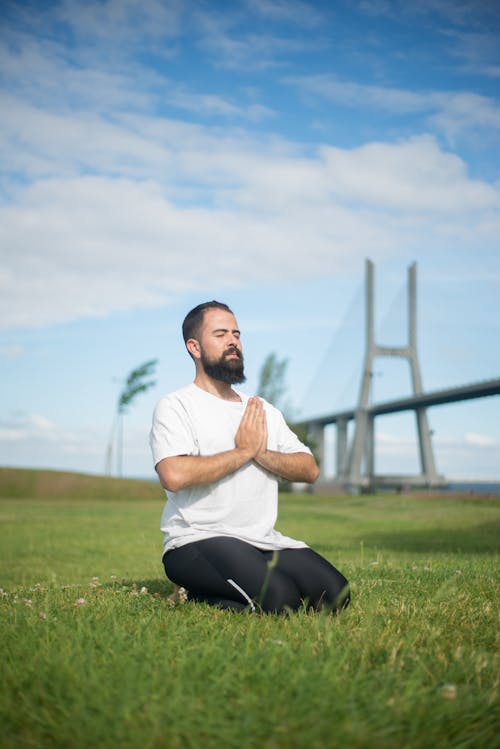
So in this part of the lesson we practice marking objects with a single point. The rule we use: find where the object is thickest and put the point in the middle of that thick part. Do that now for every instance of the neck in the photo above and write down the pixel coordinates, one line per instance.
(216, 387)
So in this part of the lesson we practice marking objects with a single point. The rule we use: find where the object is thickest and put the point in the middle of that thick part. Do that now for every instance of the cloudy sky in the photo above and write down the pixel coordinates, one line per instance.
(159, 153)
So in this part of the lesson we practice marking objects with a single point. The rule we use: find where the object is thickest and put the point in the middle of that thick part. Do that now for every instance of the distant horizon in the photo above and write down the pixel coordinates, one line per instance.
(154, 478)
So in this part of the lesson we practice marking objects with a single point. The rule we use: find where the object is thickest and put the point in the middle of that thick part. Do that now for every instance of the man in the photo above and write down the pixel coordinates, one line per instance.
(218, 454)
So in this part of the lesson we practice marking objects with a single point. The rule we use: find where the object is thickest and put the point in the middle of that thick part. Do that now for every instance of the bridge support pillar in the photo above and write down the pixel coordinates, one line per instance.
(427, 464)
(341, 450)
(317, 434)
(360, 471)
(370, 450)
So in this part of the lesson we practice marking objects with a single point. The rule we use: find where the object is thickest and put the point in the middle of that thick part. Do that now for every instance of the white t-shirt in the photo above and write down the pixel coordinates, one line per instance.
(243, 504)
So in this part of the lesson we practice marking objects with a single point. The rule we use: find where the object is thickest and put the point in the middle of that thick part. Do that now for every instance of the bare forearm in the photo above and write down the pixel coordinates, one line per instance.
(289, 466)
(184, 471)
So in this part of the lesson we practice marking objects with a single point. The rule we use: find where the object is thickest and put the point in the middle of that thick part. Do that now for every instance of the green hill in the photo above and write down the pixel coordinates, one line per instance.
(26, 483)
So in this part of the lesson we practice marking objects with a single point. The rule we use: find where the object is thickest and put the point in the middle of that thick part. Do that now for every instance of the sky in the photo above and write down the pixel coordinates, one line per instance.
(160, 153)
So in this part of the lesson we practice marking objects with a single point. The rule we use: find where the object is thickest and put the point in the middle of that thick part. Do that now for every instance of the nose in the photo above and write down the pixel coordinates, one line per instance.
(233, 345)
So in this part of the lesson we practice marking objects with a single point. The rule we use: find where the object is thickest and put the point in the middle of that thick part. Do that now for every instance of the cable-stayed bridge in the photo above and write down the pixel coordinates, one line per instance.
(355, 458)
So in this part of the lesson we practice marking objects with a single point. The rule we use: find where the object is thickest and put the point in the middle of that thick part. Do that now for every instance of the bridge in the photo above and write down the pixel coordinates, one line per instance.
(355, 462)
(414, 402)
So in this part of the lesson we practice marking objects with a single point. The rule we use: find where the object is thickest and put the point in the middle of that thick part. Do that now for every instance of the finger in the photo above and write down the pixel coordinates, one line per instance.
(252, 409)
(249, 409)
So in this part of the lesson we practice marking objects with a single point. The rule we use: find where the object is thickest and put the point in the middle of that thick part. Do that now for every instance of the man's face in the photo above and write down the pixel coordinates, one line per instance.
(220, 347)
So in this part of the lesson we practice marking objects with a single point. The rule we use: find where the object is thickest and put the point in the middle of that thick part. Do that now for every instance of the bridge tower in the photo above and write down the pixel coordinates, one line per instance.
(361, 450)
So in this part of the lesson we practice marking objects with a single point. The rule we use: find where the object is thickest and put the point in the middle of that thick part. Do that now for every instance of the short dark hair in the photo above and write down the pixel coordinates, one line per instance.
(194, 319)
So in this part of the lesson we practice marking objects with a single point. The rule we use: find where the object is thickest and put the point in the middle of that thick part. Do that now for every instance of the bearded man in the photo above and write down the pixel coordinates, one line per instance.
(218, 454)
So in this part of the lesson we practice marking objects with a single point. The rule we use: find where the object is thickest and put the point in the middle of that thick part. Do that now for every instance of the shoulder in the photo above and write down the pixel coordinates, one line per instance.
(270, 409)
(177, 398)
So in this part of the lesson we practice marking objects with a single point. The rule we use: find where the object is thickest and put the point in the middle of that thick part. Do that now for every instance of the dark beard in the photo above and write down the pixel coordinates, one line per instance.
(230, 371)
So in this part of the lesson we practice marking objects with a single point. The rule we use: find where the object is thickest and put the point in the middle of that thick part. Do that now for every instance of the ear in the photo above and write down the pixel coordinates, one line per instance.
(193, 347)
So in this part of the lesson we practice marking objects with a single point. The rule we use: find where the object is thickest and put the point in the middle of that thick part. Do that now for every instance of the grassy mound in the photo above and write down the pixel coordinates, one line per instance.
(25, 483)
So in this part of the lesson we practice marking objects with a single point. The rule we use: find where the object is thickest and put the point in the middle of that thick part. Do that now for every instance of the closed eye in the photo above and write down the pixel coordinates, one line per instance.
(220, 332)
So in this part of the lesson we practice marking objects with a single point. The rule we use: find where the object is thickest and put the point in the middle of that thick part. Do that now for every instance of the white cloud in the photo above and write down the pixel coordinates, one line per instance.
(33, 439)
(415, 175)
(40, 71)
(211, 104)
(473, 455)
(354, 94)
(389, 440)
(118, 21)
(11, 352)
(255, 51)
(458, 114)
(477, 49)
(233, 43)
(23, 426)
(37, 71)
(87, 247)
(290, 11)
(197, 205)
(469, 456)
(481, 440)
(453, 114)
(108, 205)
(35, 143)
(39, 434)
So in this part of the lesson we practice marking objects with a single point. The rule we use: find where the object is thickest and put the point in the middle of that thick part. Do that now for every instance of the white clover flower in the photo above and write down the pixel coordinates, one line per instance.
(448, 691)
(178, 596)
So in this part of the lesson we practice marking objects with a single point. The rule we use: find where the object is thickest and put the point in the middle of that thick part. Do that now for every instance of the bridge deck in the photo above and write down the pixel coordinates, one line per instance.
(422, 400)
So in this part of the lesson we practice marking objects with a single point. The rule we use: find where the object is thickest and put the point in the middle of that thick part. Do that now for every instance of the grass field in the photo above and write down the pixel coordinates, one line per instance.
(94, 656)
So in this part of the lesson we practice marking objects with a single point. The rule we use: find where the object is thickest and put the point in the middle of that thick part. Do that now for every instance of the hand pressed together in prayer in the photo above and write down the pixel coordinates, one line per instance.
(252, 431)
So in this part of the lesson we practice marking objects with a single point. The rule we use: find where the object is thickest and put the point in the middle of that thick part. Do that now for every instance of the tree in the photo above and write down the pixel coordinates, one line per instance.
(272, 387)
(135, 383)
(272, 384)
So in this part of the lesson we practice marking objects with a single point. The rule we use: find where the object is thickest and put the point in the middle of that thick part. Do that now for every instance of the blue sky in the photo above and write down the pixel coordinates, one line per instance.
(161, 153)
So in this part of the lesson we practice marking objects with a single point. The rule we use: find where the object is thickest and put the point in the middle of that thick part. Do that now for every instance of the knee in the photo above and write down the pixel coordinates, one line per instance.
(343, 599)
(282, 595)
(338, 600)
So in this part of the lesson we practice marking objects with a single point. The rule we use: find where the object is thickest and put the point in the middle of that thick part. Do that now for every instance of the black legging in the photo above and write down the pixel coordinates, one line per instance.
(230, 573)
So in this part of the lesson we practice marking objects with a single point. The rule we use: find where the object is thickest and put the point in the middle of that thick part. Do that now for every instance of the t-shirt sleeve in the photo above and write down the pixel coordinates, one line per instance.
(171, 433)
(287, 440)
